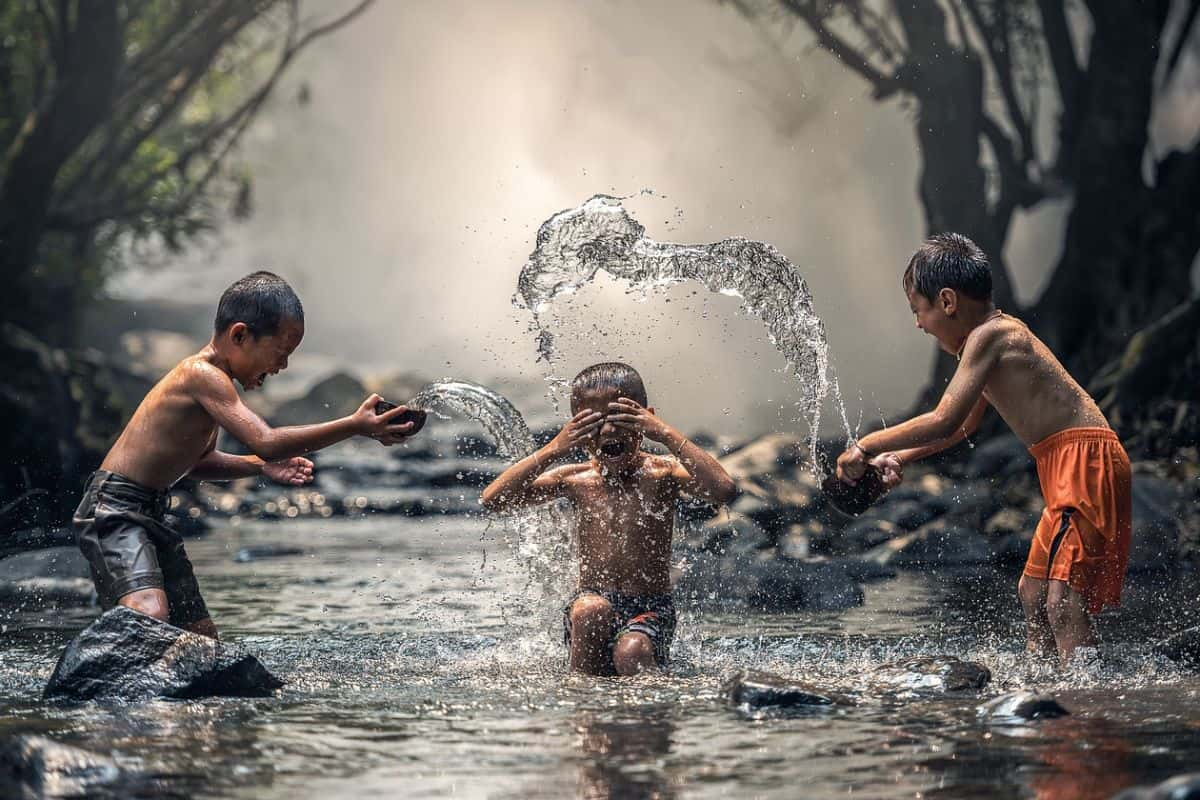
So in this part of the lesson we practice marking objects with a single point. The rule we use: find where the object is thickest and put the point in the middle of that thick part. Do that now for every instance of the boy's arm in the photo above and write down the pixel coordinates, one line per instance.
(700, 475)
(961, 396)
(218, 466)
(526, 482)
(214, 391)
(968, 427)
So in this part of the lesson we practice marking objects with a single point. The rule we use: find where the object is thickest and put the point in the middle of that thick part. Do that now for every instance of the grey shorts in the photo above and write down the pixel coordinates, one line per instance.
(121, 532)
(653, 616)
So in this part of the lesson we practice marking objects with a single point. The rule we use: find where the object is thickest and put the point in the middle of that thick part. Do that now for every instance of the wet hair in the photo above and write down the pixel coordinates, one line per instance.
(949, 261)
(609, 376)
(262, 300)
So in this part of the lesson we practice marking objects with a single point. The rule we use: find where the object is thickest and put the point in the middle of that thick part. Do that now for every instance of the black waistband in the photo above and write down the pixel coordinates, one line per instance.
(116, 486)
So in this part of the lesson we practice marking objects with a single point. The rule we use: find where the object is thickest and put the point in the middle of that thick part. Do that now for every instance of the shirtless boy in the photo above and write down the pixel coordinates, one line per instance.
(1076, 565)
(621, 618)
(136, 560)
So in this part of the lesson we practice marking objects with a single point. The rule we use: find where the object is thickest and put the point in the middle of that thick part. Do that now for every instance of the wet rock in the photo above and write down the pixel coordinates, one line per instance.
(1010, 520)
(1181, 787)
(1183, 647)
(35, 767)
(125, 656)
(1155, 524)
(1000, 457)
(863, 535)
(972, 502)
(940, 543)
(54, 577)
(787, 584)
(1022, 706)
(907, 515)
(750, 690)
(338, 395)
(28, 539)
(265, 551)
(763, 457)
(932, 674)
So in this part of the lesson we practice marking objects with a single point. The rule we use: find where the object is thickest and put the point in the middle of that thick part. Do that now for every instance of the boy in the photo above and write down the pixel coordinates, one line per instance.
(621, 619)
(1076, 565)
(136, 560)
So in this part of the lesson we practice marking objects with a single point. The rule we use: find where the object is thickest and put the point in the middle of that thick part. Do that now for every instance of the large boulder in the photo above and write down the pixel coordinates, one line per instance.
(1000, 457)
(36, 767)
(763, 458)
(1156, 527)
(125, 656)
(752, 691)
(1183, 647)
(940, 543)
(931, 674)
(336, 396)
(54, 577)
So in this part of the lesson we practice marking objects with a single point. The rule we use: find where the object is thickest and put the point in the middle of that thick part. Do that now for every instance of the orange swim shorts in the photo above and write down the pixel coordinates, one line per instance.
(1084, 535)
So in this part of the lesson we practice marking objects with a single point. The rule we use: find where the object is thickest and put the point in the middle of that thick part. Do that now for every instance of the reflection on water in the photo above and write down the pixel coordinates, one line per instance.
(414, 668)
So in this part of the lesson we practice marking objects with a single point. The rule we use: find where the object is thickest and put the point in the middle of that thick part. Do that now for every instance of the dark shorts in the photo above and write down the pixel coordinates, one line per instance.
(653, 616)
(121, 533)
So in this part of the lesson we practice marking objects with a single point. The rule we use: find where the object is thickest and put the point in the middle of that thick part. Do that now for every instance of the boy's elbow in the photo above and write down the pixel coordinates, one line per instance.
(267, 447)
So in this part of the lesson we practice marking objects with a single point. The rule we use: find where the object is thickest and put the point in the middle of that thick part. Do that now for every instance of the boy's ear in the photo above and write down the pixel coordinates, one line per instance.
(238, 333)
(948, 301)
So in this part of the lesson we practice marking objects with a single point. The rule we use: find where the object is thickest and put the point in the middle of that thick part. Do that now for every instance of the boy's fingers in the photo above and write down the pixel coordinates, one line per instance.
(392, 413)
(399, 430)
(626, 401)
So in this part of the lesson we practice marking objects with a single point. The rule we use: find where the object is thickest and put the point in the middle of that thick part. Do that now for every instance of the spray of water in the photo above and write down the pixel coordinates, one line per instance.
(542, 535)
(601, 235)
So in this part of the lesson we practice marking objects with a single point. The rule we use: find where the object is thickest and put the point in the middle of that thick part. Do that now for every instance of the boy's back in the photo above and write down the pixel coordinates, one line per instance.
(1025, 383)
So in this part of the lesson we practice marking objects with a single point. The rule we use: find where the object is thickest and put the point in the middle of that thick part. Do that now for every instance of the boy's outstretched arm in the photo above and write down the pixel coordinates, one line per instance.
(701, 475)
(527, 482)
(919, 433)
(218, 466)
(213, 390)
(969, 426)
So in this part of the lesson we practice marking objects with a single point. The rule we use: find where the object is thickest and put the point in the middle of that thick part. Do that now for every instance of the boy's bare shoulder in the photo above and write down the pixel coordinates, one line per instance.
(197, 372)
(998, 334)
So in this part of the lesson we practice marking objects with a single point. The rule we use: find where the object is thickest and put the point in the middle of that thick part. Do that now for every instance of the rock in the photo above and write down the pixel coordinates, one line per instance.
(23, 541)
(125, 656)
(1183, 647)
(733, 533)
(54, 577)
(35, 767)
(265, 551)
(1010, 520)
(940, 543)
(1000, 457)
(1022, 706)
(1155, 524)
(907, 515)
(786, 584)
(972, 502)
(1181, 787)
(750, 690)
(932, 674)
(336, 396)
(863, 535)
(763, 457)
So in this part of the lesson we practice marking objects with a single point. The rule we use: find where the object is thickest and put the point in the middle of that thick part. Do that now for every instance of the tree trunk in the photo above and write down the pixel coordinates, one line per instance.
(79, 101)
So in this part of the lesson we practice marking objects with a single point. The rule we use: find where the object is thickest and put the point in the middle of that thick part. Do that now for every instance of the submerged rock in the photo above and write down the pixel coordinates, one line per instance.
(34, 767)
(1022, 706)
(125, 656)
(1183, 647)
(750, 690)
(1156, 527)
(260, 552)
(932, 674)
(1181, 787)
(940, 543)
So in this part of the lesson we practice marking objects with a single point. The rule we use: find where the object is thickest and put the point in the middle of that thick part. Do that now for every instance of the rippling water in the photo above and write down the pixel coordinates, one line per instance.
(414, 669)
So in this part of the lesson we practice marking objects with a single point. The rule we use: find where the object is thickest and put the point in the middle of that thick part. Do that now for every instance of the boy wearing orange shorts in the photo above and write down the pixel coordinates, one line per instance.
(1077, 562)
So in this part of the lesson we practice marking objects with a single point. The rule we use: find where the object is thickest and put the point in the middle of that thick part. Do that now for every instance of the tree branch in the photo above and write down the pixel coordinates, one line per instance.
(1067, 72)
(884, 85)
(996, 43)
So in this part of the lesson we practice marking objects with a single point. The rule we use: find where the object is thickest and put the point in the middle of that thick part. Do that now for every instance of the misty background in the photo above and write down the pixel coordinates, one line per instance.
(404, 166)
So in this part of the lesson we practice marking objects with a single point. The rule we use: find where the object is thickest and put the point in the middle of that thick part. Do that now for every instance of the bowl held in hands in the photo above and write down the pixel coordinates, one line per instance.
(854, 500)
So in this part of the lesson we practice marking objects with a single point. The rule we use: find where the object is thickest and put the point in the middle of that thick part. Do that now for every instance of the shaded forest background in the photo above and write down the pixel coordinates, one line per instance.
(119, 127)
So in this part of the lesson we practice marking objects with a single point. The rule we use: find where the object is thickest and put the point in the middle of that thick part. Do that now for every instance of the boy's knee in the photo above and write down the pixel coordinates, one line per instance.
(633, 653)
(151, 602)
(590, 611)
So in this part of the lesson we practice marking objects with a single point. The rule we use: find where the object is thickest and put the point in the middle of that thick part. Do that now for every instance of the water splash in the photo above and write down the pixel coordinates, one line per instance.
(542, 534)
(600, 235)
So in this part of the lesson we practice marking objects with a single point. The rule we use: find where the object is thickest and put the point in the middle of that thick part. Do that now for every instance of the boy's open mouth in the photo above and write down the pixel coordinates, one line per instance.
(612, 449)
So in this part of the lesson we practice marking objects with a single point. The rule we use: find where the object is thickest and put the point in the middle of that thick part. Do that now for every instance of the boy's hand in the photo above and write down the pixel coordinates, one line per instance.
(890, 467)
(851, 465)
(581, 427)
(628, 414)
(379, 426)
(290, 472)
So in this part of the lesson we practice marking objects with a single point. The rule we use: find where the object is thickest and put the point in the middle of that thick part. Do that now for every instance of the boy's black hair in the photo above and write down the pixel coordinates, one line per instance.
(262, 300)
(611, 375)
(949, 261)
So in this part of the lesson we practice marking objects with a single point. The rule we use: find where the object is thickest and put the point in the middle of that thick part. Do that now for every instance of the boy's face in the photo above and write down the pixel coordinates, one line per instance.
(937, 318)
(253, 358)
(613, 446)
